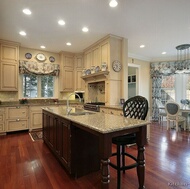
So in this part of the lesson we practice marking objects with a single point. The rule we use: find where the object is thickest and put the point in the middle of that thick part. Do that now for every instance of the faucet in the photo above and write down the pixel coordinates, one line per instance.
(70, 109)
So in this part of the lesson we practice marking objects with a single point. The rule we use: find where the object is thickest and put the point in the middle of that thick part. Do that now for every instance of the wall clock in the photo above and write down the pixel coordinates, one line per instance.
(40, 57)
(116, 65)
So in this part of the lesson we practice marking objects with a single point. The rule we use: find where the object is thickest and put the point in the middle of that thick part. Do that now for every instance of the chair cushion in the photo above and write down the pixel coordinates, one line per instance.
(125, 139)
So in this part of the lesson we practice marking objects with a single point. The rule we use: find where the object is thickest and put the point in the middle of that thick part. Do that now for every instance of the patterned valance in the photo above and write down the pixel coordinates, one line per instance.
(26, 67)
(168, 68)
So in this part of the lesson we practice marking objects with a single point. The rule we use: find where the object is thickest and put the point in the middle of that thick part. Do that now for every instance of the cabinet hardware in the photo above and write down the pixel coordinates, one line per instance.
(18, 120)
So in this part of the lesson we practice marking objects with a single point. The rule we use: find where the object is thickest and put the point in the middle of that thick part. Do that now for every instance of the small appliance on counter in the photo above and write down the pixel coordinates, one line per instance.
(93, 106)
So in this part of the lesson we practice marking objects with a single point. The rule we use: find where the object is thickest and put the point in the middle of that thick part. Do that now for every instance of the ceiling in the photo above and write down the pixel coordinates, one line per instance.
(160, 25)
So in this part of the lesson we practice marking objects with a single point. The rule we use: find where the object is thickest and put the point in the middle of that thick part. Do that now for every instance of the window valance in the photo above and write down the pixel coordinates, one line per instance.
(167, 68)
(28, 67)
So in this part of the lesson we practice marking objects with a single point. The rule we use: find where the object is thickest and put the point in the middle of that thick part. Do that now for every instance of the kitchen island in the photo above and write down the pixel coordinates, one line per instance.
(82, 141)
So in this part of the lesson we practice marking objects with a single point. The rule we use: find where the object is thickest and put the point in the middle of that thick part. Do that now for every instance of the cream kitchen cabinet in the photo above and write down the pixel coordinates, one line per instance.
(79, 82)
(35, 117)
(16, 118)
(2, 120)
(9, 56)
(66, 72)
(96, 54)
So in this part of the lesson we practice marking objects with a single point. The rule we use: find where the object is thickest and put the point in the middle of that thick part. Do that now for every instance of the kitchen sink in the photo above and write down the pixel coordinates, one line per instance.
(80, 113)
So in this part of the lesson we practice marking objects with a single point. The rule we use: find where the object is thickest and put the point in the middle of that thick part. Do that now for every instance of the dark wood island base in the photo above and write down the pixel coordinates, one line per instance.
(82, 150)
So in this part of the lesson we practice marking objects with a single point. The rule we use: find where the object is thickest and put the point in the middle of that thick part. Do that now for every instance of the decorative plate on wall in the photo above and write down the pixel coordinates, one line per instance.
(51, 59)
(40, 57)
(28, 55)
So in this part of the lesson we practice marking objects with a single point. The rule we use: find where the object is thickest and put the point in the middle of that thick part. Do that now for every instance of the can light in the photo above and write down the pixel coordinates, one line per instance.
(42, 47)
(61, 22)
(85, 29)
(68, 44)
(23, 33)
(27, 11)
(113, 3)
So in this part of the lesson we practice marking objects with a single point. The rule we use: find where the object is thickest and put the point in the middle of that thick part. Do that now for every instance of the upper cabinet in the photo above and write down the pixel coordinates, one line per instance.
(9, 53)
(96, 54)
(79, 82)
(66, 72)
(9, 57)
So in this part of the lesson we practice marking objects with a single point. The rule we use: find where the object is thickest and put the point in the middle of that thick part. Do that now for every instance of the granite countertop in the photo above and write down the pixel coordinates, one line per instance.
(103, 123)
(118, 107)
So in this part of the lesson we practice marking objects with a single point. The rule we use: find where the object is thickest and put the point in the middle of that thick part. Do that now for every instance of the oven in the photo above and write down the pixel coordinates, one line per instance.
(93, 106)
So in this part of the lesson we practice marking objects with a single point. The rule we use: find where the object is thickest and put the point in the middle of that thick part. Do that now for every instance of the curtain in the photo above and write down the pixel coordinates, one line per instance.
(159, 69)
(26, 67)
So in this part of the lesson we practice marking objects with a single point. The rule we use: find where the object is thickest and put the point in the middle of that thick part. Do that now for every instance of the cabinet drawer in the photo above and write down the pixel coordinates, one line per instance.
(2, 127)
(15, 125)
(17, 112)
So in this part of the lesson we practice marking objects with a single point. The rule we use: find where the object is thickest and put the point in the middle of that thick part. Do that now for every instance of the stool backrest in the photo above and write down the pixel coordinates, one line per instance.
(136, 107)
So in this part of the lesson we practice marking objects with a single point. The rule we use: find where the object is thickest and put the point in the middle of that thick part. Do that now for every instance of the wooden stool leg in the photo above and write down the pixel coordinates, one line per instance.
(123, 157)
(118, 167)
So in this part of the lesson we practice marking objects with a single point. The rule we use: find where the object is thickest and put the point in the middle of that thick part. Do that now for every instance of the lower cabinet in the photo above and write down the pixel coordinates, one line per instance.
(2, 120)
(76, 149)
(35, 117)
(56, 134)
(16, 118)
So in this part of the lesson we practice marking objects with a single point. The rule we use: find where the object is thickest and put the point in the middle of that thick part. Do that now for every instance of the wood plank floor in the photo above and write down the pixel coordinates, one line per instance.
(25, 164)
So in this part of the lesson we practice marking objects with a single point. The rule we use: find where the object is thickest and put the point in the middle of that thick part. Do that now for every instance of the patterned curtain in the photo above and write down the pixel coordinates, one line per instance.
(159, 69)
(26, 67)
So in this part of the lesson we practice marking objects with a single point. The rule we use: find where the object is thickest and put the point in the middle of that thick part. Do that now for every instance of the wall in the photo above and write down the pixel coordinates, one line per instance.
(144, 77)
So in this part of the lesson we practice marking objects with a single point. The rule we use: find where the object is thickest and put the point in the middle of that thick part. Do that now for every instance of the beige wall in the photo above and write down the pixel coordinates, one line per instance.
(34, 52)
(144, 76)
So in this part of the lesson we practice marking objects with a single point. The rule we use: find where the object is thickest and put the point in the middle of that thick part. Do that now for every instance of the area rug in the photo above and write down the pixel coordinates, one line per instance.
(36, 135)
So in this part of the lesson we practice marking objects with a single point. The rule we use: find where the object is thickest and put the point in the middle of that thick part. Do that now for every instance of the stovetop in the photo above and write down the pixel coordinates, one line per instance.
(96, 103)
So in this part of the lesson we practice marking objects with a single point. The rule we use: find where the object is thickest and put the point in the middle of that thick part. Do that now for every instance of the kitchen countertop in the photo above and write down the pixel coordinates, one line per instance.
(103, 123)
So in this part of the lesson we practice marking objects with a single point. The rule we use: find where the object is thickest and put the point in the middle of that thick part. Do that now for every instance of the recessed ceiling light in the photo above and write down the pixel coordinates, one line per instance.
(61, 22)
(68, 43)
(27, 11)
(142, 46)
(85, 29)
(113, 3)
(23, 33)
(42, 46)
(163, 52)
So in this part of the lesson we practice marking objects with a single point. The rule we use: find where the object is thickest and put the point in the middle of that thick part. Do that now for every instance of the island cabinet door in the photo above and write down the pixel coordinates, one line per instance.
(45, 126)
(65, 144)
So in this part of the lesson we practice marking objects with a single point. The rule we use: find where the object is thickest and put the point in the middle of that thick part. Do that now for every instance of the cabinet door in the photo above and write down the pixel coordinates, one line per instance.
(68, 61)
(65, 151)
(9, 77)
(96, 56)
(88, 60)
(79, 82)
(104, 49)
(79, 62)
(9, 53)
(68, 80)
(35, 118)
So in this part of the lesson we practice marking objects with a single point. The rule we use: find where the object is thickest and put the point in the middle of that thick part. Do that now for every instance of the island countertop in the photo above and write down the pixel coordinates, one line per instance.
(103, 123)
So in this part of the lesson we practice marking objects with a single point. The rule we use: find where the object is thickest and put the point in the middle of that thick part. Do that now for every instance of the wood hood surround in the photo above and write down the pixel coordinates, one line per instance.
(106, 50)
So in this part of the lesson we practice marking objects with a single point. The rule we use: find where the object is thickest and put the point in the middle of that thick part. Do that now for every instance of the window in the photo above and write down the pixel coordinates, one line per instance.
(38, 86)
(167, 88)
(175, 87)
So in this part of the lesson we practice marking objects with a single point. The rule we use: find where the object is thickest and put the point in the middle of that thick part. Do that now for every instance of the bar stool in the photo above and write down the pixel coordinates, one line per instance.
(135, 107)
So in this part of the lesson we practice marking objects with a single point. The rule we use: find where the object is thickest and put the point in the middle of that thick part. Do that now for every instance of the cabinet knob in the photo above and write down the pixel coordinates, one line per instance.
(18, 120)
(18, 107)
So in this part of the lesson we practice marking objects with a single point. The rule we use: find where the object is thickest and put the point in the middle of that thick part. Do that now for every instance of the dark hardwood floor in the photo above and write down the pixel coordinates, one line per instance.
(25, 164)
